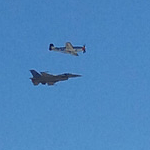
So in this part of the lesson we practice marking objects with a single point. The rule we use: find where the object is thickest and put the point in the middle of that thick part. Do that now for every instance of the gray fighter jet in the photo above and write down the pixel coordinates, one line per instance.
(44, 77)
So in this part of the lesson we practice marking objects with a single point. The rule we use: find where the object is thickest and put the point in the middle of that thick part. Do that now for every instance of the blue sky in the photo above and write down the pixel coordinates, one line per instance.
(108, 108)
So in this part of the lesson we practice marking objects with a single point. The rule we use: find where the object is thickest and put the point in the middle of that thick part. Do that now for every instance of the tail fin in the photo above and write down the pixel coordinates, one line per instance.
(35, 74)
(51, 46)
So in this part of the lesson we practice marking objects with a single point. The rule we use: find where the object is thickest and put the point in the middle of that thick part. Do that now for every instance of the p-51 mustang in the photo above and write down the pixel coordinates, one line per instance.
(69, 49)
(50, 79)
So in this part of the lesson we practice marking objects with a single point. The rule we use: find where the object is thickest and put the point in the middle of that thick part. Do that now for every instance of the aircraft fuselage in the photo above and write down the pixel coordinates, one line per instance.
(63, 49)
(49, 78)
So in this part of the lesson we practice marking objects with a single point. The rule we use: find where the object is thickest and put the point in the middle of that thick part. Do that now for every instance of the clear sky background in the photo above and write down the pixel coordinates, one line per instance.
(108, 108)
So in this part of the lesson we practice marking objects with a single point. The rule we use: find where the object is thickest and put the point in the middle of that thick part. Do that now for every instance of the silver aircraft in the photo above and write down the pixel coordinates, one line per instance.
(50, 79)
(69, 49)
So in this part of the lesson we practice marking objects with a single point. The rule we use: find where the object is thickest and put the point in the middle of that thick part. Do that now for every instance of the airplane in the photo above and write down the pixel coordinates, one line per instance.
(69, 49)
(50, 79)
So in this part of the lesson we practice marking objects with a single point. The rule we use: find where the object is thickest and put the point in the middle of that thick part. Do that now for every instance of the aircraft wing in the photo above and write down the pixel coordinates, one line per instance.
(50, 83)
(69, 46)
(74, 53)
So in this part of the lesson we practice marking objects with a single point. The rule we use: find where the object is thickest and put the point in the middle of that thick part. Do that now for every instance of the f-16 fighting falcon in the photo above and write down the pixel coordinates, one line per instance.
(50, 79)
(69, 49)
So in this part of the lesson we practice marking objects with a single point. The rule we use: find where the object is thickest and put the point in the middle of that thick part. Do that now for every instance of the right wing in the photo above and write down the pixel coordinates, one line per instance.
(46, 74)
(69, 46)
(70, 50)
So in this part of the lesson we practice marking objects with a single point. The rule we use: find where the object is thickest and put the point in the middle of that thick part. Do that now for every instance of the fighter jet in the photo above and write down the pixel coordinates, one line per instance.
(50, 79)
(69, 49)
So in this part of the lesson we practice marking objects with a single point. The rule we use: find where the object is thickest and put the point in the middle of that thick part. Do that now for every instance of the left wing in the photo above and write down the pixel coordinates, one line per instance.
(50, 83)
(74, 53)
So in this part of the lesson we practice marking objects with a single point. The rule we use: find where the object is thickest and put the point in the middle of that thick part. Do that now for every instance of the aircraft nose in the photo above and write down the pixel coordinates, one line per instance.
(76, 75)
(83, 48)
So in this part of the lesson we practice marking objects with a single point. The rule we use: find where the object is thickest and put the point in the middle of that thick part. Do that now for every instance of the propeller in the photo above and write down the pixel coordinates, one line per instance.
(83, 48)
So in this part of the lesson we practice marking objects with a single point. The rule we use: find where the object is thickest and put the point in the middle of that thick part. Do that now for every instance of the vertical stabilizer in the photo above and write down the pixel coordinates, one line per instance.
(51, 46)
(35, 74)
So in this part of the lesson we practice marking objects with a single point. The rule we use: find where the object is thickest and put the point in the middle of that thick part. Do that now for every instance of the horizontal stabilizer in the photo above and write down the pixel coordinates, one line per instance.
(50, 83)
(83, 48)
(34, 81)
